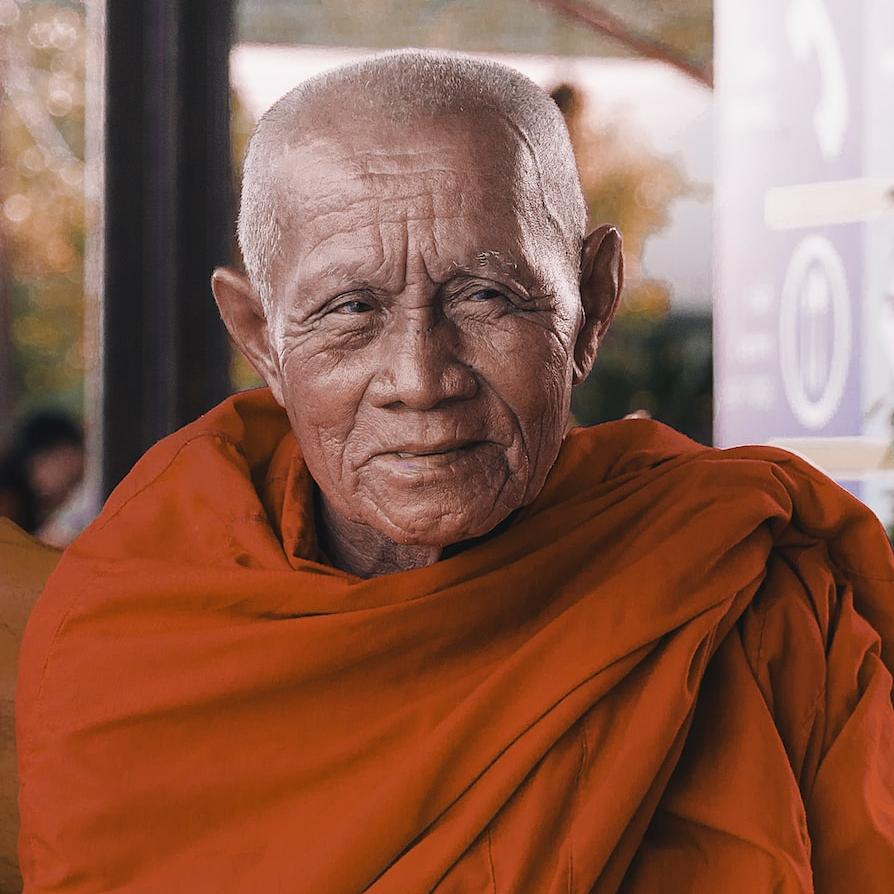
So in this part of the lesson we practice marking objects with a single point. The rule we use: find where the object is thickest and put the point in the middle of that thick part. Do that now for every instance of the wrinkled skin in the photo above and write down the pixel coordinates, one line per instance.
(425, 333)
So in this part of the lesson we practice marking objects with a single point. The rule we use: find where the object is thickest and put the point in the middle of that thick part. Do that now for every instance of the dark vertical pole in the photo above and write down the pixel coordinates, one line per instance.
(167, 220)
(205, 201)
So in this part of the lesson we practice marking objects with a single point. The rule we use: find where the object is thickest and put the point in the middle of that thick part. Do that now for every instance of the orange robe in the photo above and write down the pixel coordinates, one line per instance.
(671, 672)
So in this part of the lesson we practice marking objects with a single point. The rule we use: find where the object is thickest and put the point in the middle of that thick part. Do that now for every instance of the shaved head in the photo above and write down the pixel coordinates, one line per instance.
(403, 91)
(420, 296)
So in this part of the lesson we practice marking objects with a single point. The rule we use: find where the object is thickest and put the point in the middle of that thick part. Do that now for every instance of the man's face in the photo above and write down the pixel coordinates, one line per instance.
(422, 327)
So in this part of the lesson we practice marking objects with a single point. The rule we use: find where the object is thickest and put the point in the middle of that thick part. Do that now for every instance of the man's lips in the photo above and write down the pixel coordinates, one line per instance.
(411, 449)
(428, 456)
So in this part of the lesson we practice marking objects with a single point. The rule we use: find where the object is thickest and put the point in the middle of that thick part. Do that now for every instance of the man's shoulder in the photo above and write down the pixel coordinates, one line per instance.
(249, 424)
(745, 487)
(650, 451)
(640, 444)
(176, 509)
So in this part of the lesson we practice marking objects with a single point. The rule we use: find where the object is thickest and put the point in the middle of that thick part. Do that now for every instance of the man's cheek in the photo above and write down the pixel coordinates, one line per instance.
(543, 389)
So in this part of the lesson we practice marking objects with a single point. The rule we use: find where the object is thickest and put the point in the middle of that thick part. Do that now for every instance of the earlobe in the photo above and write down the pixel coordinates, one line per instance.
(601, 281)
(244, 316)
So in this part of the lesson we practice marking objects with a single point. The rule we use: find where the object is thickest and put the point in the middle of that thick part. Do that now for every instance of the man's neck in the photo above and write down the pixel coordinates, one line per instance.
(363, 551)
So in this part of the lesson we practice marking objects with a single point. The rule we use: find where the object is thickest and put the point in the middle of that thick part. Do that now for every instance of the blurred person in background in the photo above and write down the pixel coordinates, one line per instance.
(41, 473)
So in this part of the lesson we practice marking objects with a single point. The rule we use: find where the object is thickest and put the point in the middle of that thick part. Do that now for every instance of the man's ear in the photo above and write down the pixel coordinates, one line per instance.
(243, 315)
(601, 281)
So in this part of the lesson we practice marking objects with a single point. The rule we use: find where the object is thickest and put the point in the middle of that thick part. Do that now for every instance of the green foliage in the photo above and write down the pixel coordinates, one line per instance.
(625, 184)
(41, 197)
(663, 367)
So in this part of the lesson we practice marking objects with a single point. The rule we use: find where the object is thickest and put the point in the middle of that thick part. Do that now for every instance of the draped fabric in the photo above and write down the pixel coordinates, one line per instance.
(25, 565)
(671, 672)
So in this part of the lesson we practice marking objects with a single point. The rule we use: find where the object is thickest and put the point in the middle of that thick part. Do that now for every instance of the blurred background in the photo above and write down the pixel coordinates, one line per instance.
(745, 150)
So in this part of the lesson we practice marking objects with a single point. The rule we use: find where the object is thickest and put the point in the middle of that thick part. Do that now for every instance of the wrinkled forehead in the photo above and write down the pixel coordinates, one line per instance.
(459, 181)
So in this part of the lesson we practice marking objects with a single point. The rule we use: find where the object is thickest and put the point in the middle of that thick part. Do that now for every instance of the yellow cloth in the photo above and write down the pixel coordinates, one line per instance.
(25, 565)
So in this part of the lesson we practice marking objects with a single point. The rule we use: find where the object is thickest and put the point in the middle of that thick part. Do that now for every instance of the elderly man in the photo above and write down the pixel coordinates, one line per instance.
(385, 627)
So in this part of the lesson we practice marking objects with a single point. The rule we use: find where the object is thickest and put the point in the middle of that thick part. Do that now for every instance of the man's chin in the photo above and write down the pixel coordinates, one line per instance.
(438, 501)
(438, 533)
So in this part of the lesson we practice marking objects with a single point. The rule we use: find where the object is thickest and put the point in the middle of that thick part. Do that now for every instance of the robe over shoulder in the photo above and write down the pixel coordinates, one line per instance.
(670, 672)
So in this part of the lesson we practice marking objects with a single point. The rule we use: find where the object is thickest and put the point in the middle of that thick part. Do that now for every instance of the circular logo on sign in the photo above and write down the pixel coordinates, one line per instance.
(815, 331)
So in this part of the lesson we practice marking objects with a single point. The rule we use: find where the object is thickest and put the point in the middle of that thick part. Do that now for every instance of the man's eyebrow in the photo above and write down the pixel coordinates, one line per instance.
(487, 260)
(484, 262)
(333, 273)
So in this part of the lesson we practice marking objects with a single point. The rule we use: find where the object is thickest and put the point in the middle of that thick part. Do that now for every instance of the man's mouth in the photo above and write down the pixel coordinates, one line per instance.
(428, 457)
(435, 450)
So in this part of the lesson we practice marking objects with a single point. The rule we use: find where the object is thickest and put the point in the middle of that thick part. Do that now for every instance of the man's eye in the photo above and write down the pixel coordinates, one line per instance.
(485, 295)
(354, 306)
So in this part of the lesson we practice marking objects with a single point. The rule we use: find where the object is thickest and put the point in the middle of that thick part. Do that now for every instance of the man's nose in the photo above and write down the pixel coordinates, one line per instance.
(421, 367)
